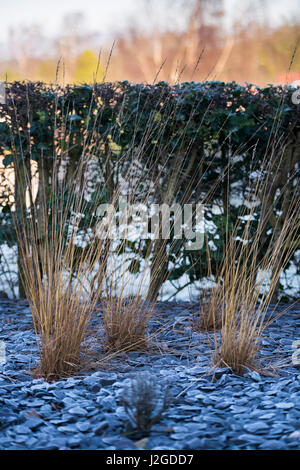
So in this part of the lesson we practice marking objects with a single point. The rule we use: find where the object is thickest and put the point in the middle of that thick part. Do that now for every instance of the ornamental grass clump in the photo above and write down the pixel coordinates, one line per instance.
(247, 282)
(209, 316)
(57, 269)
(125, 321)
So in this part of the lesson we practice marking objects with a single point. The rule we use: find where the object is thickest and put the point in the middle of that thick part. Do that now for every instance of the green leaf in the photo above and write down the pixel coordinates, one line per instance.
(8, 160)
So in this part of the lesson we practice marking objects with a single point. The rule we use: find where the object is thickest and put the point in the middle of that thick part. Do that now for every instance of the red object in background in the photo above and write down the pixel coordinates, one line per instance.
(288, 78)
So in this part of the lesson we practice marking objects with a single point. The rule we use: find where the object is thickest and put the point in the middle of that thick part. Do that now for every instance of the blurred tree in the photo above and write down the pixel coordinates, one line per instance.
(47, 70)
(176, 47)
(277, 50)
(27, 45)
(10, 74)
(86, 68)
(68, 43)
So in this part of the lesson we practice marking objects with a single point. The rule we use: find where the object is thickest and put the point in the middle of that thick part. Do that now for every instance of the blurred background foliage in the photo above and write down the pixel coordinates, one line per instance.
(250, 41)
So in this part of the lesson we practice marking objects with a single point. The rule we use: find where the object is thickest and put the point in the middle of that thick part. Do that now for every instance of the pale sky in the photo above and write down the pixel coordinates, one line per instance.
(108, 16)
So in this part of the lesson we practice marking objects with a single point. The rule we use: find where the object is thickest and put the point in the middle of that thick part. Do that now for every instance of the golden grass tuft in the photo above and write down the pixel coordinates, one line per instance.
(56, 282)
(125, 322)
(244, 302)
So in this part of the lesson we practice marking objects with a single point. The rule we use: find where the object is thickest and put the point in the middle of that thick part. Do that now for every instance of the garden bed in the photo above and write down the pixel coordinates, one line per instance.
(208, 409)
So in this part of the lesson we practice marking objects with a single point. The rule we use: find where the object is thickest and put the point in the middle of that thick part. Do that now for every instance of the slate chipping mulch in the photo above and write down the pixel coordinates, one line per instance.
(208, 410)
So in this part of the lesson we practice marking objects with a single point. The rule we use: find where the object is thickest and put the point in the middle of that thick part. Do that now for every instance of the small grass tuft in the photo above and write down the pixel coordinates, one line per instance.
(125, 323)
(144, 401)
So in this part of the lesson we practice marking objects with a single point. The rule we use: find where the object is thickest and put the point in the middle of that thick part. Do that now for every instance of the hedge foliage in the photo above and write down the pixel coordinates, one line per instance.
(217, 128)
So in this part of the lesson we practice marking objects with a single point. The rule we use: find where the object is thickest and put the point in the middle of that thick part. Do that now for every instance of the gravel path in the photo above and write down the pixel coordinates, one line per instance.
(207, 410)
